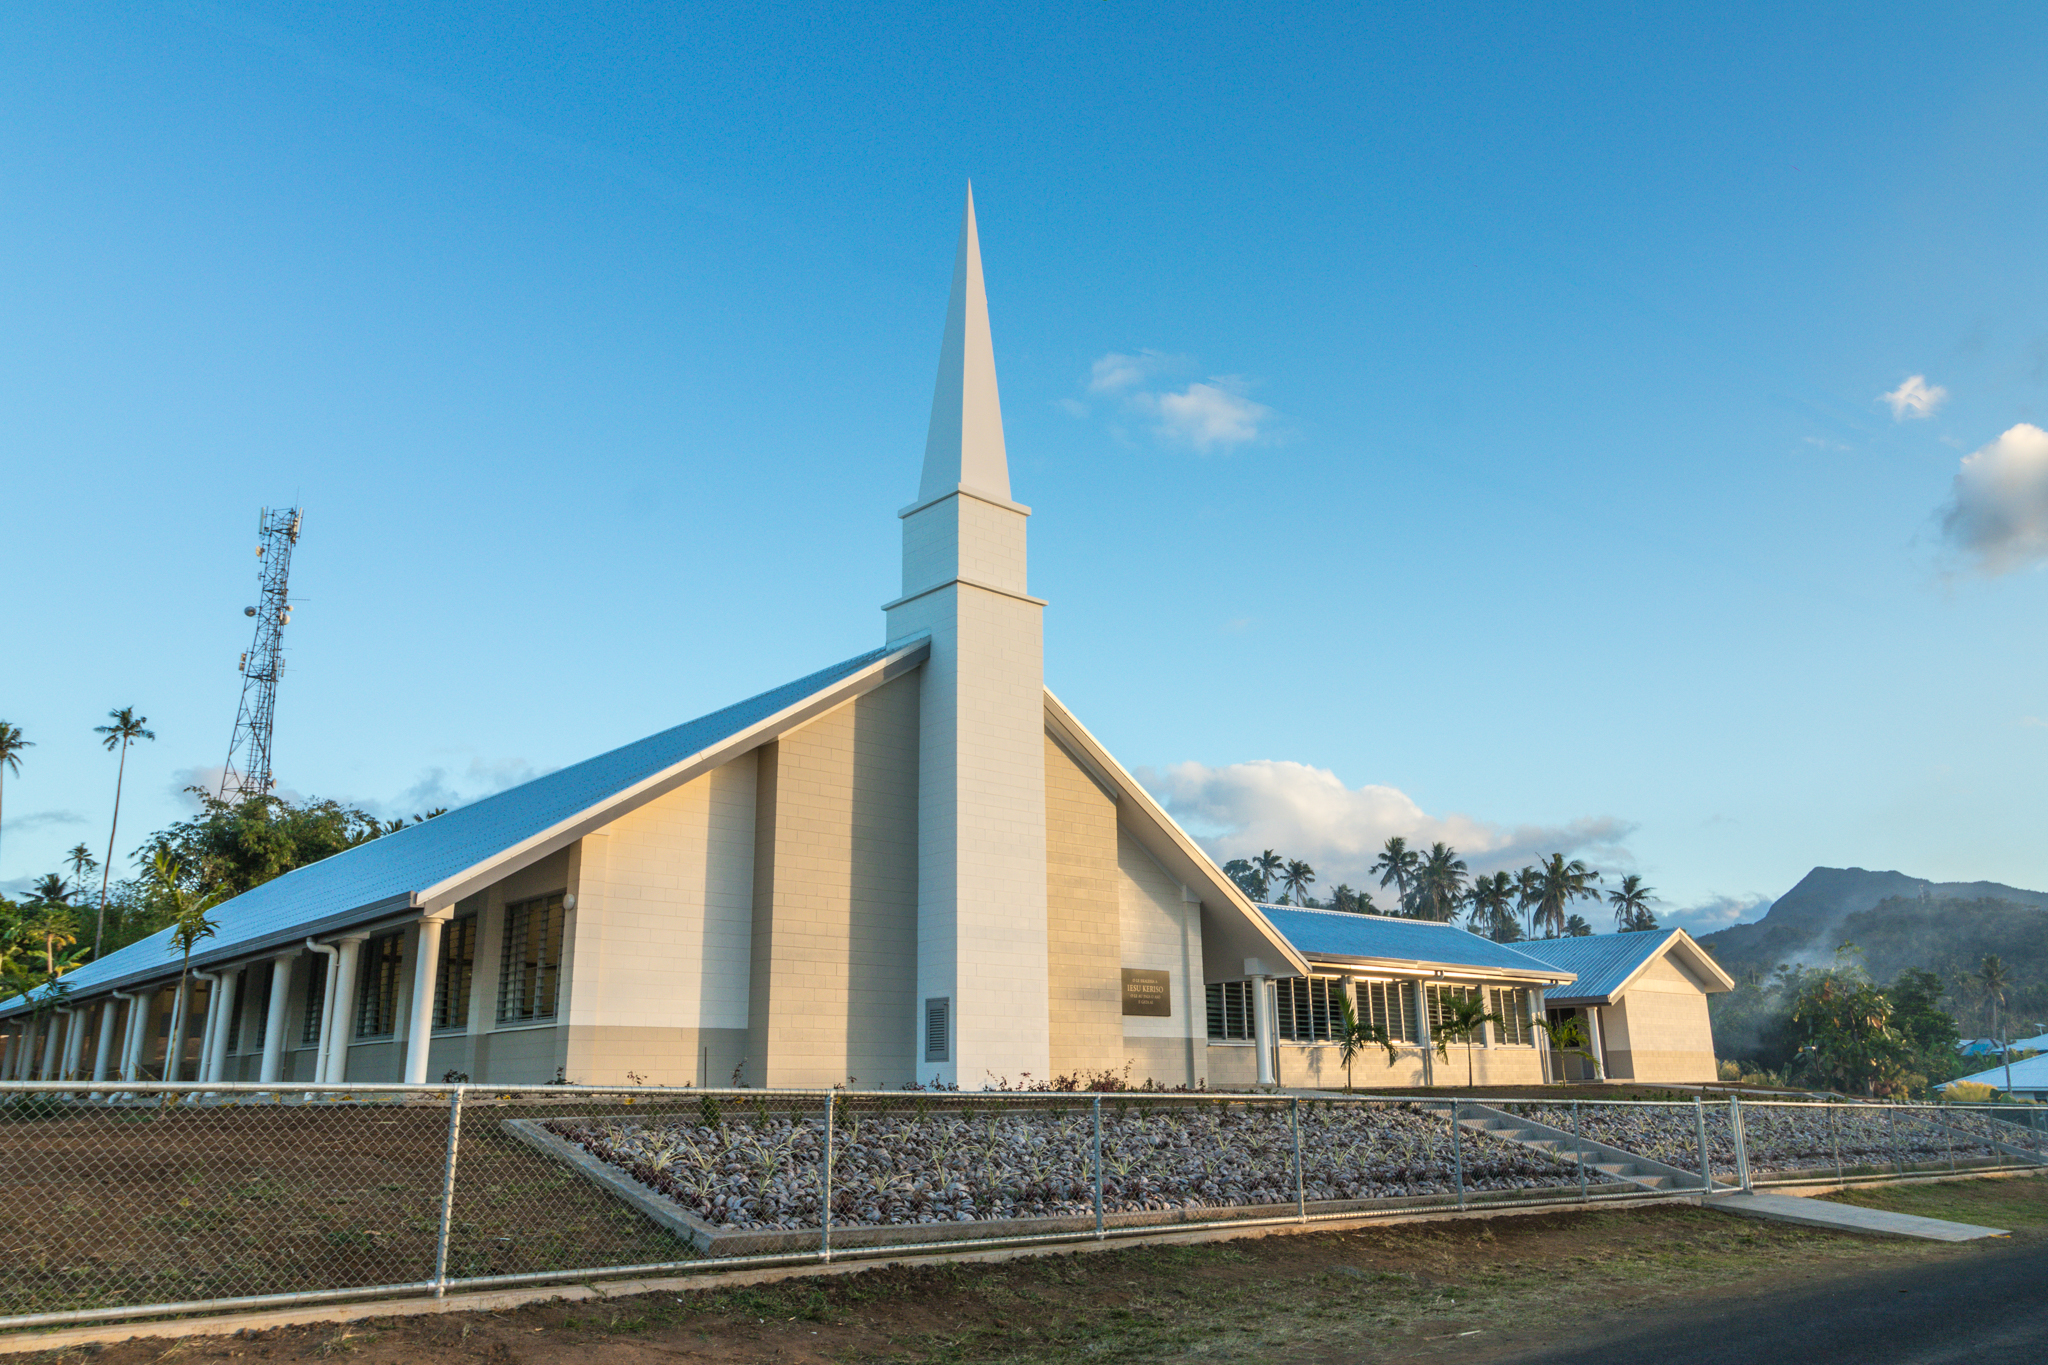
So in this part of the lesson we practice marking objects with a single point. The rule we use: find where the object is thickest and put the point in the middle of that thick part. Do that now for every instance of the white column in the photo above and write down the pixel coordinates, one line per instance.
(209, 1023)
(74, 1040)
(426, 965)
(1262, 1025)
(50, 1032)
(220, 1017)
(342, 1030)
(110, 1013)
(321, 1050)
(273, 1021)
(174, 1041)
(137, 1035)
(1422, 1033)
(1599, 1046)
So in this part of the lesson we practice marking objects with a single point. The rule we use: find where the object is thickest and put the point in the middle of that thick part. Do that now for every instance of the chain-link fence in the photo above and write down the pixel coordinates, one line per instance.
(160, 1199)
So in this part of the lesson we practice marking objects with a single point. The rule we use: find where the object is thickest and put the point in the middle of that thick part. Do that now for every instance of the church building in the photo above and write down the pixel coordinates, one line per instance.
(912, 865)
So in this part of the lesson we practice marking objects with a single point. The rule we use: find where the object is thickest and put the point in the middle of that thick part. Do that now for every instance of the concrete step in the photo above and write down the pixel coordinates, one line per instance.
(1821, 1213)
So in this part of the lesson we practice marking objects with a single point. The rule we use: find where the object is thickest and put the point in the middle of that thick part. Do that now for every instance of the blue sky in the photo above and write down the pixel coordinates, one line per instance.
(1440, 421)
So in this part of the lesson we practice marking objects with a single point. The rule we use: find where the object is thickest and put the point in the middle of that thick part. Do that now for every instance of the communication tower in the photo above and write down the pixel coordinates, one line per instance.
(247, 772)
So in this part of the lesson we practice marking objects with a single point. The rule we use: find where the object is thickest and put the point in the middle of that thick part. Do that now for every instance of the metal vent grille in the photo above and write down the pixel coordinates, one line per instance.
(938, 1029)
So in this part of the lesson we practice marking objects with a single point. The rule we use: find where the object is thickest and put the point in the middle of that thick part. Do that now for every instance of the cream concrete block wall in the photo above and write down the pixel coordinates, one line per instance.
(663, 932)
(517, 1054)
(1233, 1066)
(1162, 931)
(981, 938)
(1659, 1029)
(964, 537)
(835, 897)
(1083, 920)
(1491, 1066)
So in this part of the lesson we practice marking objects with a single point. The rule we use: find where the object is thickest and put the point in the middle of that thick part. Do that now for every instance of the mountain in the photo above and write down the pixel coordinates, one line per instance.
(1807, 923)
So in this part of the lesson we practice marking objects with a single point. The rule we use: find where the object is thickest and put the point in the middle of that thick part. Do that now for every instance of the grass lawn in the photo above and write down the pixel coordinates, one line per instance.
(1470, 1289)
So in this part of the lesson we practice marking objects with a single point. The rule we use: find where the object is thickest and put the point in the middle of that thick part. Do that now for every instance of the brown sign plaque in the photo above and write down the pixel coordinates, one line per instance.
(1148, 993)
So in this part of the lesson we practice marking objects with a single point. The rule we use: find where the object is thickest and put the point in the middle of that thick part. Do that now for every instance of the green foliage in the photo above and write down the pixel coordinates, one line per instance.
(1462, 1019)
(1354, 1038)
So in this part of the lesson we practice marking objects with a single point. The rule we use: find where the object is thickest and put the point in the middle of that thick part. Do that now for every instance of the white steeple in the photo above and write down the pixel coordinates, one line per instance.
(964, 448)
(983, 985)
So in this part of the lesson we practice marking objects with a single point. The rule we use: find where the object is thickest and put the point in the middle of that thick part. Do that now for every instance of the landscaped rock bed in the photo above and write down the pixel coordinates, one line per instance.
(917, 1164)
(1787, 1138)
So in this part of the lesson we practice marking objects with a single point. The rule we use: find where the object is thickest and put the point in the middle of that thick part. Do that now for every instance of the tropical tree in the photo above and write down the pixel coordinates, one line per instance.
(185, 910)
(1575, 926)
(1490, 905)
(53, 925)
(1631, 902)
(1245, 875)
(50, 889)
(1842, 1024)
(1462, 1019)
(1354, 1038)
(11, 745)
(82, 863)
(1527, 893)
(1992, 979)
(125, 728)
(1568, 1035)
(1344, 897)
(1267, 866)
(1296, 878)
(1440, 884)
(1397, 865)
(1556, 885)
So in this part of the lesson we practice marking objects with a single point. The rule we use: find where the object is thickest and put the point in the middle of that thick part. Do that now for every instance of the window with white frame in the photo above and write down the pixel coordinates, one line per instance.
(529, 978)
(1230, 1011)
(1439, 997)
(1511, 1003)
(1389, 1005)
(1310, 1008)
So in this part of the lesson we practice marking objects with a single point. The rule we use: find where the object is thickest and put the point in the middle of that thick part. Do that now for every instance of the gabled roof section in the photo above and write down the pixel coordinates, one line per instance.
(2029, 1075)
(1161, 836)
(1338, 937)
(1606, 963)
(436, 863)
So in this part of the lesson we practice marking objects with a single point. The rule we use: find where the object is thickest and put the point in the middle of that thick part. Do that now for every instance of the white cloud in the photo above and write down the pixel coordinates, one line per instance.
(1715, 912)
(1208, 415)
(1914, 398)
(1997, 512)
(1115, 373)
(1072, 407)
(43, 819)
(437, 787)
(1304, 812)
(2034, 723)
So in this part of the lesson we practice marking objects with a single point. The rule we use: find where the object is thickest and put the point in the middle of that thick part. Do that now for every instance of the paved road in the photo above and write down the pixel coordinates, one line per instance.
(1979, 1308)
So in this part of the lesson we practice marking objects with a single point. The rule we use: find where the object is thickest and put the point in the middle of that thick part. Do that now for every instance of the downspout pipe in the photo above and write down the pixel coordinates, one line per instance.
(139, 1004)
(50, 1031)
(327, 983)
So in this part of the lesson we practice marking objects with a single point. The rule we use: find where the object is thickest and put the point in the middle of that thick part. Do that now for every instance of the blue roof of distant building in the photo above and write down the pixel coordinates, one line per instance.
(2029, 1076)
(385, 873)
(1339, 933)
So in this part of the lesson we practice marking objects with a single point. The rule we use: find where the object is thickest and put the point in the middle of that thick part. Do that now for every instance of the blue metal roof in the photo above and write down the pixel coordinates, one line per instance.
(2029, 1076)
(1338, 933)
(1600, 961)
(385, 872)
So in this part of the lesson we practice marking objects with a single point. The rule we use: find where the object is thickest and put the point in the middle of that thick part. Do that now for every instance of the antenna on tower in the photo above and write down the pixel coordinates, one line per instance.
(247, 772)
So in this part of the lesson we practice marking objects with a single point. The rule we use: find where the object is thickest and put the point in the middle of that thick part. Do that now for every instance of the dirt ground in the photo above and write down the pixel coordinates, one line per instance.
(1475, 1289)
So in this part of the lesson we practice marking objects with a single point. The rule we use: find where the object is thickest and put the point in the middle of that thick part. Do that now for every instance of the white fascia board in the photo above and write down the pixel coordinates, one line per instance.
(1161, 836)
(552, 840)
(1336, 964)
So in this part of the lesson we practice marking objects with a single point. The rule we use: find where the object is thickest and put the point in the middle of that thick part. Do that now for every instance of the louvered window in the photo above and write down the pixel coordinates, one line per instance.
(1308, 1007)
(530, 973)
(455, 974)
(938, 1029)
(1230, 1011)
(1390, 1005)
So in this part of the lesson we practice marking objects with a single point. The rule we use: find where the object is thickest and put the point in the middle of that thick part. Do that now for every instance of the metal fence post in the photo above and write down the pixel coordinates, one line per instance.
(1457, 1155)
(1948, 1134)
(1098, 1168)
(448, 1194)
(1300, 1190)
(1891, 1138)
(1699, 1119)
(1741, 1140)
(1579, 1150)
(1835, 1136)
(825, 1208)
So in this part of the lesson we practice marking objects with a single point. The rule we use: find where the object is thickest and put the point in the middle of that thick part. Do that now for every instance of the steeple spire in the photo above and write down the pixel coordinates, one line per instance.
(964, 447)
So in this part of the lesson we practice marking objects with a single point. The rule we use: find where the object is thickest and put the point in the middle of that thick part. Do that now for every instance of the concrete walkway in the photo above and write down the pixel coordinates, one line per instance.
(1822, 1213)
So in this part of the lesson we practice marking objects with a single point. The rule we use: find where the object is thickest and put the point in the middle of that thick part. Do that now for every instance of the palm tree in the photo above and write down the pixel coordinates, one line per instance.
(186, 912)
(1354, 1038)
(1631, 904)
(1297, 878)
(11, 745)
(1526, 894)
(1992, 979)
(127, 727)
(1265, 867)
(1556, 885)
(1440, 884)
(1397, 864)
(51, 889)
(1491, 912)
(1462, 1018)
(83, 864)
(1576, 927)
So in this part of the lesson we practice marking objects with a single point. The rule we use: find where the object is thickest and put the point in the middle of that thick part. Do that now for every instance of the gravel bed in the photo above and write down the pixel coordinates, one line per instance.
(760, 1171)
